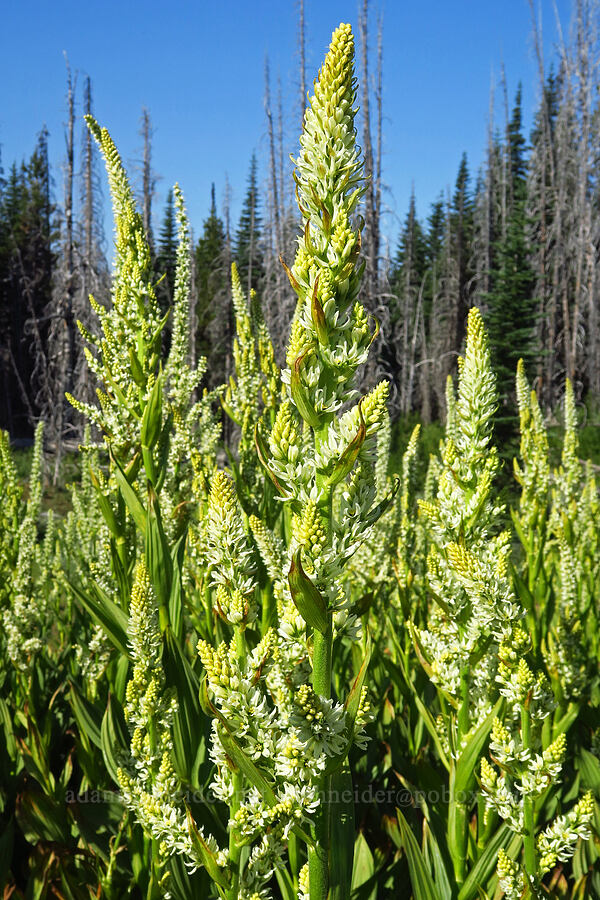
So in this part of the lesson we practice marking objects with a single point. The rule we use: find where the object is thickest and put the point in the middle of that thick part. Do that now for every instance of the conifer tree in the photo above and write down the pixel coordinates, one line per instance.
(511, 301)
(461, 218)
(213, 314)
(248, 252)
(27, 259)
(407, 280)
(166, 260)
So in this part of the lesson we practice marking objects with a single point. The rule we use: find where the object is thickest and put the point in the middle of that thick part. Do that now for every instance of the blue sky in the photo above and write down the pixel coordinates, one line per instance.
(199, 69)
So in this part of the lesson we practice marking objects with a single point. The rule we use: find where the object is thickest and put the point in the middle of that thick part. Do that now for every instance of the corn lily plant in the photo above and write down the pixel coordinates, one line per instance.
(285, 665)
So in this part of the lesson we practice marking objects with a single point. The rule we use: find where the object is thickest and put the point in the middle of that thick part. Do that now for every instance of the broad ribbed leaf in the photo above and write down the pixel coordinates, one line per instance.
(106, 613)
(87, 716)
(423, 886)
(485, 867)
(188, 731)
(114, 738)
(132, 501)
(341, 813)
(218, 875)
(306, 596)
(363, 869)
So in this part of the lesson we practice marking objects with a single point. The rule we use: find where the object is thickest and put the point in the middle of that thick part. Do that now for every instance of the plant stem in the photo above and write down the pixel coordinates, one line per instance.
(459, 806)
(318, 858)
(238, 788)
(528, 807)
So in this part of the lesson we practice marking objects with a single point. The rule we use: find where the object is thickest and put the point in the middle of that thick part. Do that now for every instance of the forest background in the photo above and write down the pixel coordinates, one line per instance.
(517, 234)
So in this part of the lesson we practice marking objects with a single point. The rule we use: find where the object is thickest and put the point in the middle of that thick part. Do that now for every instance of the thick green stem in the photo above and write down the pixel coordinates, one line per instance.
(269, 610)
(458, 812)
(318, 858)
(238, 790)
(528, 806)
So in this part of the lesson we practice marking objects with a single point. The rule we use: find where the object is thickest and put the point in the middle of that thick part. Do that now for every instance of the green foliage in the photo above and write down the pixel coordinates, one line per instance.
(247, 244)
(512, 303)
(213, 331)
(318, 659)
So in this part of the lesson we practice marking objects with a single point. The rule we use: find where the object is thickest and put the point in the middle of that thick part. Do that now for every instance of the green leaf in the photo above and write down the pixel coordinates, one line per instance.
(363, 868)
(352, 702)
(132, 501)
(176, 593)
(351, 705)
(246, 766)
(188, 731)
(421, 880)
(286, 885)
(240, 759)
(468, 761)
(341, 813)
(218, 875)
(345, 463)
(263, 455)
(107, 614)
(380, 508)
(243, 762)
(589, 766)
(87, 716)
(485, 867)
(152, 418)
(563, 725)
(41, 818)
(306, 596)
(434, 855)
(114, 737)
(7, 727)
(158, 557)
(300, 392)
(114, 526)
(318, 316)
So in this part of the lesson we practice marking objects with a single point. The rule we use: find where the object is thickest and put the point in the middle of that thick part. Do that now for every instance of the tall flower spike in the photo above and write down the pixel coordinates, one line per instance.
(330, 325)
(127, 354)
(477, 394)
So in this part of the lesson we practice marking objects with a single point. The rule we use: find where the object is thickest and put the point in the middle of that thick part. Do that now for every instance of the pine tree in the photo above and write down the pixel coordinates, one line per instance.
(27, 261)
(247, 247)
(461, 221)
(213, 314)
(511, 302)
(166, 260)
(406, 317)
(542, 232)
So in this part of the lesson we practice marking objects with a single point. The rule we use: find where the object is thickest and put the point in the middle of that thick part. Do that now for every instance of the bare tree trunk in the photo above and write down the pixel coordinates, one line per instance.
(371, 231)
(379, 152)
(302, 50)
(148, 177)
(483, 217)
(60, 347)
(540, 187)
(274, 187)
(65, 367)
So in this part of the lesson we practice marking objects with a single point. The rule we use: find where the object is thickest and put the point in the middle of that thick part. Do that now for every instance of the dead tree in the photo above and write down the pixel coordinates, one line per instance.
(371, 230)
(302, 54)
(61, 334)
(149, 179)
(94, 278)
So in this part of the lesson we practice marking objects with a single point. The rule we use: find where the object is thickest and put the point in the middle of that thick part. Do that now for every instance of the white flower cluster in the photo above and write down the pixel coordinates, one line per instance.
(229, 552)
(25, 617)
(286, 732)
(557, 843)
(148, 781)
(510, 877)
(474, 607)
(126, 355)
